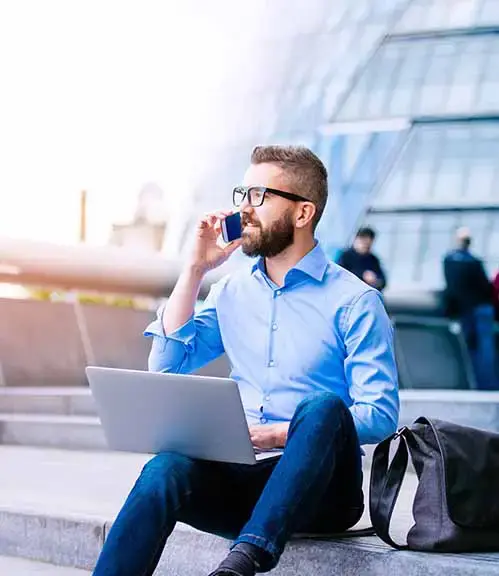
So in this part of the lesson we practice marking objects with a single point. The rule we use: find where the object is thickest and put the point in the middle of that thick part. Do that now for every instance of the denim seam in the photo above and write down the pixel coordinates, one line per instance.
(268, 546)
(147, 572)
(277, 535)
(271, 548)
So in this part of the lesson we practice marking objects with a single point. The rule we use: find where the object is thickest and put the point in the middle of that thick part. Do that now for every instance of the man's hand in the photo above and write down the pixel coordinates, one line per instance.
(269, 436)
(208, 253)
(370, 278)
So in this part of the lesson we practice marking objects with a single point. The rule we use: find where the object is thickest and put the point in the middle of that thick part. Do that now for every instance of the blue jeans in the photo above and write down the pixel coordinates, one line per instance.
(315, 486)
(478, 328)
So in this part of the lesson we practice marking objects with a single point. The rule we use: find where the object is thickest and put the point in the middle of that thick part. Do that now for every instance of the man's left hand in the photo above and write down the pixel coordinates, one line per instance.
(269, 436)
(370, 278)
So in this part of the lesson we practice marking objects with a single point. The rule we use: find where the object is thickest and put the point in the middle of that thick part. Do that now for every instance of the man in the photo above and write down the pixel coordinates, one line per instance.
(311, 349)
(495, 285)
(362, 262)
(469, 297)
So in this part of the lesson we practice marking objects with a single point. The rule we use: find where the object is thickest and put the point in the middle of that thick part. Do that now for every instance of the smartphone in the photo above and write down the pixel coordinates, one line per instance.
(231, 227)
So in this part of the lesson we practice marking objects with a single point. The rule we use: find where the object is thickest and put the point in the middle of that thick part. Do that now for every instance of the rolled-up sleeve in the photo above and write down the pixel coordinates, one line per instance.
(189, 347)
(370, 369)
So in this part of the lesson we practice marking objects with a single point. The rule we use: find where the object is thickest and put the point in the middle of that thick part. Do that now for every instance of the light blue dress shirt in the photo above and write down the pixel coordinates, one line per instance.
(323, 330)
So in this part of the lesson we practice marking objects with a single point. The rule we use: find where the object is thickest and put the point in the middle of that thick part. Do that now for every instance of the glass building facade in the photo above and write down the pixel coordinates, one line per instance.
(401, 101)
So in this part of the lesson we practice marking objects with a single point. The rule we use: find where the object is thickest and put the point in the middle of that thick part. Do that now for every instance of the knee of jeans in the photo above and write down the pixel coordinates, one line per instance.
(167, 465)
(325, 403)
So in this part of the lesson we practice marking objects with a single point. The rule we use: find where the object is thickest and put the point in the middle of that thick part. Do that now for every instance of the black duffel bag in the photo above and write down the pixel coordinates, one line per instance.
(456, 506)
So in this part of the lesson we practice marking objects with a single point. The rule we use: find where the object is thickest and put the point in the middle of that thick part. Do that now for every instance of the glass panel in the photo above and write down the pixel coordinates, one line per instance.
(478, 223)
(354, 146)
(467, 71)
(355, 104)
(462, 13)
(489, 89)
(391, 193)
(383, 225)
(410, 75)
(435, 85)
(437, 240)
(483, 172)
(489, 14)
(414, 17)
(451, 170)
(336, 16)
(424, 150)
(492, 251)
(359, 9)
(406, 248)
(384, 70)
(438, 14)
(426, 15)
(427, 77)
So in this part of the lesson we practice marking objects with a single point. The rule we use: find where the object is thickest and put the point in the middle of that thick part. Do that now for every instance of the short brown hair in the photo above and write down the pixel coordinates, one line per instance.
(308, 175)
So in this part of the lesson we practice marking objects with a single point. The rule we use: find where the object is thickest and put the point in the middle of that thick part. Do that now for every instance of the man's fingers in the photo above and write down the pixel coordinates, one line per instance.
(207, 221)
(221, 214)
(212, 219)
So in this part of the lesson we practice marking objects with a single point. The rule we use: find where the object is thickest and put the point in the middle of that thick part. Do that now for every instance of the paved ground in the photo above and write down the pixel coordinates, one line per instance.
(83, 484)
(88, 484)
(20, 567)
(54, 504)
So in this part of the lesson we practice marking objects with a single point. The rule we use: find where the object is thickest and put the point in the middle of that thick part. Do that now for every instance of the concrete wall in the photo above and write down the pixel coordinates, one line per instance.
(49, 344)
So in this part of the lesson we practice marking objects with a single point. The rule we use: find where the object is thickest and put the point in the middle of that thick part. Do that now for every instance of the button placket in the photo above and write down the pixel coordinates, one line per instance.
(273, 327)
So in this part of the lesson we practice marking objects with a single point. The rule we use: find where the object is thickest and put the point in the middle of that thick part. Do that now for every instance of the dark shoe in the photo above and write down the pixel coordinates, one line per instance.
(237, 563)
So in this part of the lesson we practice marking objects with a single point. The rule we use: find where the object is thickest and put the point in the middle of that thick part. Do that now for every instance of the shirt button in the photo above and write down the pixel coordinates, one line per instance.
(274, 326)
(263, 420)
(278, 293)
(271, 363)
(267, 398)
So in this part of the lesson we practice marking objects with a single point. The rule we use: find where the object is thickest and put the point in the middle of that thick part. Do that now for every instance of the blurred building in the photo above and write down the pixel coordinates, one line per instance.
(438, 68)
(400, 99)
(147, 229)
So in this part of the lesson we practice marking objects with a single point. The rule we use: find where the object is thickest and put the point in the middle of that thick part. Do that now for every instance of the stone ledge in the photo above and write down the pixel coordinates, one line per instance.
(76, 543)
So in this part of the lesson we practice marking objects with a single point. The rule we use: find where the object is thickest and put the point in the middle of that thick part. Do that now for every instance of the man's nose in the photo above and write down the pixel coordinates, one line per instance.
(245, 206)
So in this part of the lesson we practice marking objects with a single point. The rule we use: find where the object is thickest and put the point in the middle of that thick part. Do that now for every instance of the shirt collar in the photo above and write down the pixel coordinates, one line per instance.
(313, 264)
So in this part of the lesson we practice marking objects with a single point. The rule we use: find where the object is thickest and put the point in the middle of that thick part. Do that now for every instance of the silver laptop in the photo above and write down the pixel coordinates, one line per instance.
(151, 412)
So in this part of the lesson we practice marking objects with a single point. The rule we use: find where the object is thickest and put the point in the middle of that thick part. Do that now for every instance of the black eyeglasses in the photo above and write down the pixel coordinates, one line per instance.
(256, 195)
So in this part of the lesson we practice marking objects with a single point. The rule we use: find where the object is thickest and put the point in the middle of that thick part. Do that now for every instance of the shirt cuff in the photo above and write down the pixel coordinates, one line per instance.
(184, 334)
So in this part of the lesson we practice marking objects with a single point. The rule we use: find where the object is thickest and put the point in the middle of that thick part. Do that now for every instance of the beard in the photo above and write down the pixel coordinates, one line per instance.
(271, 241)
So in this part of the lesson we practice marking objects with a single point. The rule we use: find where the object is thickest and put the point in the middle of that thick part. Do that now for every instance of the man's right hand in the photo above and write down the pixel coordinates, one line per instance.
(209, 251)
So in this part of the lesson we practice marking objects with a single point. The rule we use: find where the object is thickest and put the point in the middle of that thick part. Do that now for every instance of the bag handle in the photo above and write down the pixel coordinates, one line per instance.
(386, 483)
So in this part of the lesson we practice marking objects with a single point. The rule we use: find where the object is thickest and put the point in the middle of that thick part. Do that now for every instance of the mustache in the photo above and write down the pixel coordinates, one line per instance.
(247, 220)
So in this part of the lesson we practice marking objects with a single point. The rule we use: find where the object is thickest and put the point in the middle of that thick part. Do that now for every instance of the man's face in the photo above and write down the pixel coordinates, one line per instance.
(268, 229)
(363, 244)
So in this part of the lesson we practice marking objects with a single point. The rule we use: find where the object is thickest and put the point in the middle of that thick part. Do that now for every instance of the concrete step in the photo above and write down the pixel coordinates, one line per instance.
(57, 506)
(21, 567)
(44, 400)
(66, 418)
(478, 409)
(57, 431)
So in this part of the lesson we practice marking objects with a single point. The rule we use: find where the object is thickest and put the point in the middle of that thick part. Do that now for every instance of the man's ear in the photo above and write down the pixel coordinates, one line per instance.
(305, 214)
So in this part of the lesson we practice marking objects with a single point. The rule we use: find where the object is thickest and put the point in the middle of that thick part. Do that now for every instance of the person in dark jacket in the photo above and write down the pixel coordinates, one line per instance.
(362, 262)
(495, 284)
(469, 297)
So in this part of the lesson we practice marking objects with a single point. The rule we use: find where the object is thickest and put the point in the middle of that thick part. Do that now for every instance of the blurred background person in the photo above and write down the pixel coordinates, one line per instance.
(495, 285)
(360, 260)
(469, 297)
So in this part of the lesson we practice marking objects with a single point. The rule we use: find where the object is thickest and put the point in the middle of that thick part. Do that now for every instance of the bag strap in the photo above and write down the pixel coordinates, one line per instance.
(386, 483)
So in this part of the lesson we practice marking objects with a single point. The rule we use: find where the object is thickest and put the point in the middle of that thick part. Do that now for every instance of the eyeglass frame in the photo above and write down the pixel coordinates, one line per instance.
(247, 194)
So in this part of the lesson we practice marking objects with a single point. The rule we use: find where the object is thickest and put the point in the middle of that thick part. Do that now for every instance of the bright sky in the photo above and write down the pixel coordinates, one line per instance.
(102, 95)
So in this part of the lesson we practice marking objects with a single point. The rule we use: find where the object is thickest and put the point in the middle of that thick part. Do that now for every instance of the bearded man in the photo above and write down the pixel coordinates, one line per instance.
(311, 348)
